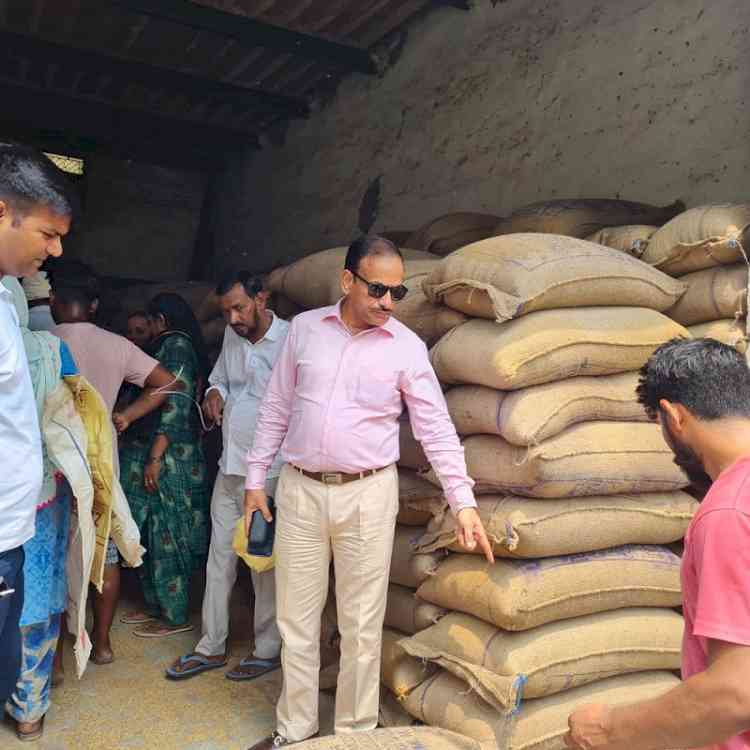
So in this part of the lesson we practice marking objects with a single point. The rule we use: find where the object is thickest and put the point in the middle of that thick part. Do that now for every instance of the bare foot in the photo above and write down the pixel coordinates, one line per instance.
(102, 655)
(30, 730)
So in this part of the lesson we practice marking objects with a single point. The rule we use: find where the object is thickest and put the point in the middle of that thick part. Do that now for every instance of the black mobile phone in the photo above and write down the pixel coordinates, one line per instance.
(260, 539)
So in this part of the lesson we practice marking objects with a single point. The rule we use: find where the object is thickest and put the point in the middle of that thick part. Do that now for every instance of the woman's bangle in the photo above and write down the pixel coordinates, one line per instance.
(154, 460)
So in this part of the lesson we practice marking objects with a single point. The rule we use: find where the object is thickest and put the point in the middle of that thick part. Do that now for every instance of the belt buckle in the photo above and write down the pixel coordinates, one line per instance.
(331, 477)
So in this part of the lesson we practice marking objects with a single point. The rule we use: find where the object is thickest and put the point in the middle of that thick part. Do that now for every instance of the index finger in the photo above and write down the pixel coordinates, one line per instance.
(485, 546)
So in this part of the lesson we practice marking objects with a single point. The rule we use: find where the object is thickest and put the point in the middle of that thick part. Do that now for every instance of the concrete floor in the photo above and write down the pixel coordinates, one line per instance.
(129, 705)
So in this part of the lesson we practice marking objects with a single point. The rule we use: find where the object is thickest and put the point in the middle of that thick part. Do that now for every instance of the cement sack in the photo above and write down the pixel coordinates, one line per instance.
(416, 493)
(452, 231)
(399, 672)
(444, 701)
(524, 528)
(523, 594)
(407, 614)
(407, 568)
(507, 667)
(583, 216)
(593, 458)
(730, 331)
(411, 454)
(551, 345)
(399, 738)
(315, 280)
(505, 277)
(702, 237)
(712, 294)
(428, 320)
(531, 415)
(631, 239)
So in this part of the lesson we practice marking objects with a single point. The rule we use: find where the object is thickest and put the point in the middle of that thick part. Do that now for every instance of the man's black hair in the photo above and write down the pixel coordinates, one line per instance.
(74, 282)
(28, 179)
(366, 245)
(138, 314)
(252, 285)
(707, 377)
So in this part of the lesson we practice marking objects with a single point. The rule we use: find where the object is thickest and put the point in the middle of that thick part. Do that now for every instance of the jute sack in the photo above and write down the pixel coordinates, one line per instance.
(505, 277)
(398, 738)
(583, 216)
(416, 493)
(451, 231)
(411, 517)
(445, 701)
(428, 320)
(702, 237)
(530, 415)
(712, 294)
(593, 458)
(407, 614)
(391, 712)
(399, 672)
(411, 454)
(407, 568)
(524, 528)
(551, 345)
(523, 594)
(730, 331)
(507, 667)
(631, 239)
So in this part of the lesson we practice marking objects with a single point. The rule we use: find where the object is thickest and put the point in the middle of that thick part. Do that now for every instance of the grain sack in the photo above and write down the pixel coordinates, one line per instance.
(428, 320)
(399, 738)
(416, 493)
(730, 331)
(631, 239)
(506, 277)
(411, 454)
(451, 231)
(399, 672)
(702, 237)
(530, 415)
(407, 614)
(445, 701)
(712, 294)
(407, 568)
(507, 667)
(551, 345)
(391, 712)
(520, 527)
(584, 216)
(410, 517)
(593, 458)
(523, 594)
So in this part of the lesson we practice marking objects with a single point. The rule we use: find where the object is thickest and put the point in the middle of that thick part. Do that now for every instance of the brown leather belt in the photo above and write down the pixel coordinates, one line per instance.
(335, 477)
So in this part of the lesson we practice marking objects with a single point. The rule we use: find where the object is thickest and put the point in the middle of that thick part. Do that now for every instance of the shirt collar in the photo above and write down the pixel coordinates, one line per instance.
(334, 313)
(274, 330)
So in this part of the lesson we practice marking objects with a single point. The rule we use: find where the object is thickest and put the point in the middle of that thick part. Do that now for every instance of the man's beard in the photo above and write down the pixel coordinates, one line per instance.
(687, 459)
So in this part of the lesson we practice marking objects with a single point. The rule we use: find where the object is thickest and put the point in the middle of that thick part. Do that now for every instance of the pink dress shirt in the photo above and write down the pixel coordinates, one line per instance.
(334, 400)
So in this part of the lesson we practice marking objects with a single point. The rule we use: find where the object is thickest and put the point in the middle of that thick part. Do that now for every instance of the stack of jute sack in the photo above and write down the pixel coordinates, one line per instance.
(577, 490)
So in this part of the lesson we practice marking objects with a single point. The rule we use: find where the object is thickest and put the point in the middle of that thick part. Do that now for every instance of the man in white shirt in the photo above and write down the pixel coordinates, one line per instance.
(252, 343)
(36, 208)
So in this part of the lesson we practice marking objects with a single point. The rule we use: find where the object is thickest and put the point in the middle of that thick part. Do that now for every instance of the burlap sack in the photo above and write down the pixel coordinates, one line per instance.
(551, 345)
(391, 712)
(399, 672)
(730, 331)
(399, 738)
(712, 294)
(411, 455)
(416, 493)
(408, 568)
(428, 320)
(445, 701)
(505, 277)
(507, 667)
(520, 527)
(632, 239)
(407, 614)
(411, 517)
(702, 237)
(593, 458)
(523, 594)
(452, 231)
(530, 415)
(581, 217)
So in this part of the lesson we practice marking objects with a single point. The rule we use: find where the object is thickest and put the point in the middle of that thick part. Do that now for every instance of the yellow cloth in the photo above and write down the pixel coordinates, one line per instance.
(254, 562)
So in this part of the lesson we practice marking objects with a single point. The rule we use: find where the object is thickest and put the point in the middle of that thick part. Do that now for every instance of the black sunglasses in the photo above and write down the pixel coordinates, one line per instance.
(377, 290)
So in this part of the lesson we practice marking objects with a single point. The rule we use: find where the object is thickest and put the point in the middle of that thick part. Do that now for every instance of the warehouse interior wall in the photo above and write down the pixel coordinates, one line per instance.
(513, 102)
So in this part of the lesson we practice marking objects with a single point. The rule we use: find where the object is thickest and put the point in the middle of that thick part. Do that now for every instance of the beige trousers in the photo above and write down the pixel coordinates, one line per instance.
(353, 523)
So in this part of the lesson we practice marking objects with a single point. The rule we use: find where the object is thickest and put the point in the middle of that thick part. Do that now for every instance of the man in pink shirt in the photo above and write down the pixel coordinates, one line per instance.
(700, 392)
(332, 406)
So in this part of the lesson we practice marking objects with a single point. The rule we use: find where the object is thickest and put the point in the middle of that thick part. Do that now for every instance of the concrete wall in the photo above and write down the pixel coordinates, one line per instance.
(140, 221)
(501, 106)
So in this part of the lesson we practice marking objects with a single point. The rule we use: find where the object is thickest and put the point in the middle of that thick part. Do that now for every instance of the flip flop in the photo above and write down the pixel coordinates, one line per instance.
(136, 618)
(204, 664)
(251, 668)
(159, 630)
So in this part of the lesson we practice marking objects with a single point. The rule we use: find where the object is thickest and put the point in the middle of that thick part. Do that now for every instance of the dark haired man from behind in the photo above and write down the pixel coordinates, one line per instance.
(699, 390)
(252, 344)
(106, 360)
(36, 208)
